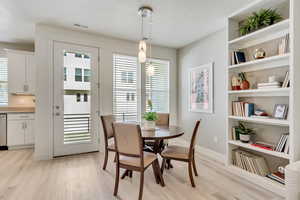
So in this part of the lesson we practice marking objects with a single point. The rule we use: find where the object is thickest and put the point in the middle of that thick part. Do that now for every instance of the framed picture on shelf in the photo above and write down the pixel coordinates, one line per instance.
(201, 89)
(280, 111)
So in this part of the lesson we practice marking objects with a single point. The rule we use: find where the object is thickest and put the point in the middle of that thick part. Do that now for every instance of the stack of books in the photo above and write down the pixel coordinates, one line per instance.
(277, 176)
(283, 47)
(286, 82)
(269, 85)
(250, 162)
(237, 57)
(283, 145)
(264, 145)
(242, 109)
(235, 135)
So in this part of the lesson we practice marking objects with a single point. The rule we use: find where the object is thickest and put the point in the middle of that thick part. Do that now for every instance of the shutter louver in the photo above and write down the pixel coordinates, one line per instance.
(157, 86)
(125, 87)
(3, 81)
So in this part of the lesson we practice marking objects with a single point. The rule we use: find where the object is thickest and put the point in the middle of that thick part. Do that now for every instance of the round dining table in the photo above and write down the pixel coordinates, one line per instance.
(158, 135)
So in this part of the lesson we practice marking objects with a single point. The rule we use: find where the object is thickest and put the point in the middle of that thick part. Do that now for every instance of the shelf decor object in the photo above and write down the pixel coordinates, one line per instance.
(275, 28)
(201, 89)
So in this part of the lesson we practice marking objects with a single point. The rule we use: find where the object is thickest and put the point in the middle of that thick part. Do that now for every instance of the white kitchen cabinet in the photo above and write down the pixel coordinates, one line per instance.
(15, 133)
(21, 72)
(29, 132)
(20, 129)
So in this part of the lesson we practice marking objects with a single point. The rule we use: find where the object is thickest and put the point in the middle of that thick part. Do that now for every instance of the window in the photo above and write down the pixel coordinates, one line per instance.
(125, 104)
(85, 97)
(65, 74)
(130, 96)
(78, 74)
(87, 75)
(127, 77)
(157, 86)
(78, 97)
(3, 81)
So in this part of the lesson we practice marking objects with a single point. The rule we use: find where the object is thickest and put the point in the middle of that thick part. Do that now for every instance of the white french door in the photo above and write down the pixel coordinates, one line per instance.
(76, 99)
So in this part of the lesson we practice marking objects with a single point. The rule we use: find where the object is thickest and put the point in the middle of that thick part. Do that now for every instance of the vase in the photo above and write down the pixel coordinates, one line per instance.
(245, 85)
(245, 138)
(149, 125)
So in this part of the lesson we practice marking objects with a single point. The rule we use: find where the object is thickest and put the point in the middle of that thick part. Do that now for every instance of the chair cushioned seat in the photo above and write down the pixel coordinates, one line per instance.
(132, 161)
(176, 152)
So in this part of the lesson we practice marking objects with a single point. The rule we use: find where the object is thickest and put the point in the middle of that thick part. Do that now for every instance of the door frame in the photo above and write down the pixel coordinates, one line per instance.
(95, 107)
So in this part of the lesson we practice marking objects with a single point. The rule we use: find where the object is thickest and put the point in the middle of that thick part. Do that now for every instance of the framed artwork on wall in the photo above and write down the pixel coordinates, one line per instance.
(201, 89)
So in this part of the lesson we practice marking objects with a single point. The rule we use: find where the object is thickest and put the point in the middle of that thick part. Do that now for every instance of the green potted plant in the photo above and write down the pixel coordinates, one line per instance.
(244, 132)
(150, 117)
(258, 20)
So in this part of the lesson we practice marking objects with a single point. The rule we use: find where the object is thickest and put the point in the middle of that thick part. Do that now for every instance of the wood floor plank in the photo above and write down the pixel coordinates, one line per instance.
(81, 177)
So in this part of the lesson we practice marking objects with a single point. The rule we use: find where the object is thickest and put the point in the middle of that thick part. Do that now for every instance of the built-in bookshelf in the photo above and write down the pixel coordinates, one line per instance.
(280, 62)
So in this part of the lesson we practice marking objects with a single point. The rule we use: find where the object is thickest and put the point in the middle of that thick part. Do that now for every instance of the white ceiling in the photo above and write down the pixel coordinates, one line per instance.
(175, 22)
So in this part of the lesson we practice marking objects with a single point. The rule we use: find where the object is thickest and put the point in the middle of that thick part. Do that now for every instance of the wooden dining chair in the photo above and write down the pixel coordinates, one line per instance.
(163, 119)
(184, 154)
(130, 154)
(107, 121)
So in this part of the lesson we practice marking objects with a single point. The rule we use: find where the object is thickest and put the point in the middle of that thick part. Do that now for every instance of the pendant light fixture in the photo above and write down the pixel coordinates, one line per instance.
(145, 12)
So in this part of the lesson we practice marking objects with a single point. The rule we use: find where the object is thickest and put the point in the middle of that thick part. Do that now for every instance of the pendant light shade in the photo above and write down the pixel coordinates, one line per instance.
(142, 56)
(143, 45)
(150, 70)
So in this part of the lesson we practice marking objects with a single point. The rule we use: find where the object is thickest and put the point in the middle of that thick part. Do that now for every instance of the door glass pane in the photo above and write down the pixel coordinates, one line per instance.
(77, 106)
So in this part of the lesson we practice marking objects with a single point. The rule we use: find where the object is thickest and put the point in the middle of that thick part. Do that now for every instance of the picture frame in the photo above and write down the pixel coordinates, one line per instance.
(201, 88)
(280, 111)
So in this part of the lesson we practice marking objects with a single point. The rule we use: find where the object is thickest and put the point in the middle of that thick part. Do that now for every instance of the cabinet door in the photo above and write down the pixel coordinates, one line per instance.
(29, 132)
(30, 73)
(16, 72)
(15, 132)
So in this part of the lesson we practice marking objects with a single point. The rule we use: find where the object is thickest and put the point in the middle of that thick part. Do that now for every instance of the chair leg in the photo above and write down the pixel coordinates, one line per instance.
(105, 159)
(155, 172)
(163, 165)
(191, 174)
(117, 179)
(141, 185)
(194, 165)
(159, 174)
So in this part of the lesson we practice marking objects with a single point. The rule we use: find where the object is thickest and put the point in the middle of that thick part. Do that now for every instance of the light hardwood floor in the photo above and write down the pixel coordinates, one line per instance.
(80, 177)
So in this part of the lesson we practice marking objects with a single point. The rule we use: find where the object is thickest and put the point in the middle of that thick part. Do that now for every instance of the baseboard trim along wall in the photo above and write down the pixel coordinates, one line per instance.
(211, 154)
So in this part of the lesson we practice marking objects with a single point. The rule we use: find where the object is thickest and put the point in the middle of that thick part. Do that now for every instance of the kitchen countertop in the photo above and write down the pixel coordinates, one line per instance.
(9, 109)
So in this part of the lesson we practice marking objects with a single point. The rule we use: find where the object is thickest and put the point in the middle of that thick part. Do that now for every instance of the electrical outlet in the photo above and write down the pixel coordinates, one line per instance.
(216, 139)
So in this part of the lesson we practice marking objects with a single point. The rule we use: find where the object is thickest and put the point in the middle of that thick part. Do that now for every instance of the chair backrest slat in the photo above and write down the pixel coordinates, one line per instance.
(194, 138)
(128, 139)
(163, 119)
(107, 121)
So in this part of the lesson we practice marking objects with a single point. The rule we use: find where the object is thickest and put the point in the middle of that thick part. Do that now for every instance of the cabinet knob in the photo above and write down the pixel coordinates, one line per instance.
(57, 114)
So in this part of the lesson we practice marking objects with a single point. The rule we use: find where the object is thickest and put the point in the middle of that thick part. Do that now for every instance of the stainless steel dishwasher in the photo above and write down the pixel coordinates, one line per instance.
(3, 132)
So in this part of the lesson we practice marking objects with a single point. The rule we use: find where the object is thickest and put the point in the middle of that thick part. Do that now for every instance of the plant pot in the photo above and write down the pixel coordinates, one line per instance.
(245, 85)
(245, 138)
(149, 125)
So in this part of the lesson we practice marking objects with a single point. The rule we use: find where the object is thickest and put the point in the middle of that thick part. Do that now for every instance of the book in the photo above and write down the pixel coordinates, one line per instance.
(277, 176)
(283, 144)
(286, 81)
(242, 109)
(250, 162)
(269, 84)
(240, 57)
(264, 145)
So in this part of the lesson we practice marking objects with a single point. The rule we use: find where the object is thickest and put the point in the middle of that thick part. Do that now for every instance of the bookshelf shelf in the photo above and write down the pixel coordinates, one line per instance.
(261, 92)
(250, 147)
(266, 34)
(267, 121)
(263, 64)
(259, 180)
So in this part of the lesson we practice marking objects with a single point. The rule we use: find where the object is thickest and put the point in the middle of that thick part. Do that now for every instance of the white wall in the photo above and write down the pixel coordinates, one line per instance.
(45, 35)
(208, 49)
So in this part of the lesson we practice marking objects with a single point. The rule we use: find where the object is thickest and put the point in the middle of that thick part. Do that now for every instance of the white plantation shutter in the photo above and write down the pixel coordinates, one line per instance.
(125, 87)
(3, 81)
(157, 86)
